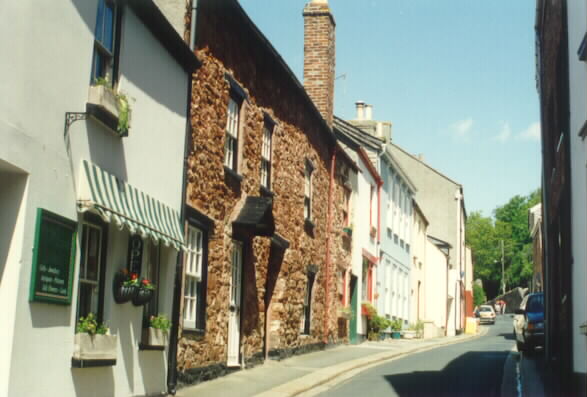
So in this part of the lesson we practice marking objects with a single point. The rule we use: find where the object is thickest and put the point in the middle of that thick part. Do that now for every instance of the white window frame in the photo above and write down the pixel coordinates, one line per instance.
(266, 151)
(95, 284)
(231, 136)
(193, 275)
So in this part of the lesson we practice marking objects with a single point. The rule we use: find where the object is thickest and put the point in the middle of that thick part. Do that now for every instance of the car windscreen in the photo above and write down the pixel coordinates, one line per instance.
(485, 309)
(535, 304)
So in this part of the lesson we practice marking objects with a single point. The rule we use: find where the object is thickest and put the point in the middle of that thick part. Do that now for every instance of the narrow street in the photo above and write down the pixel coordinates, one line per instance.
(473, 368)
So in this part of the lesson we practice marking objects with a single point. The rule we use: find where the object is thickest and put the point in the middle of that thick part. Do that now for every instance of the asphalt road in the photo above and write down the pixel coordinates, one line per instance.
(473, 368)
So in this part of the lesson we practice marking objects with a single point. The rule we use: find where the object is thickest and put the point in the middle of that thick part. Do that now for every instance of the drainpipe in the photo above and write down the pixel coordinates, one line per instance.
(328, 241)
(193, 24)
(178, 281)
(446, 306)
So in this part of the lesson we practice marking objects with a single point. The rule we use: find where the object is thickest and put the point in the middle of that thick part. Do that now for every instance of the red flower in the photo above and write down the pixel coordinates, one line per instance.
(146, 282)
(134, 276)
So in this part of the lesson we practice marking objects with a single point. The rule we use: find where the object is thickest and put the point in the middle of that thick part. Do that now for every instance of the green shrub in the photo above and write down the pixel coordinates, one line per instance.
(89, 325)
(479, 297)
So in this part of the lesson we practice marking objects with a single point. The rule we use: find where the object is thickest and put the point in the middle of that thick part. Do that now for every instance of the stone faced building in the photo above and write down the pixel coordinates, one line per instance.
(265, 180)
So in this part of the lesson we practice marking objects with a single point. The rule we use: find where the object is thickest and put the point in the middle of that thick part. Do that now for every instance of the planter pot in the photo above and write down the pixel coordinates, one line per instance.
(94, 347)
(103, 97)
(396, 335)
(142, 296)
(155, 337)
(410, 334)
(124, 294)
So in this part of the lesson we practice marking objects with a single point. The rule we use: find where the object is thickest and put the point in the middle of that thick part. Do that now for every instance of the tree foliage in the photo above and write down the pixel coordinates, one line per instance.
(510, 225)
(479, 297)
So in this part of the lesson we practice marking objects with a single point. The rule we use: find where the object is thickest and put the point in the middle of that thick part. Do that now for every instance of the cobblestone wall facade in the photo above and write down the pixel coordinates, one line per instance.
(274, 278)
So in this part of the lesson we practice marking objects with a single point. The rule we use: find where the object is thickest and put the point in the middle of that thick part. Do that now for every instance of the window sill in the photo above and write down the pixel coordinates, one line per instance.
(232, 178)
(143, 346)
(102, 107)
(309, 227)
(264, 192)
(196, 334)
(77, 363)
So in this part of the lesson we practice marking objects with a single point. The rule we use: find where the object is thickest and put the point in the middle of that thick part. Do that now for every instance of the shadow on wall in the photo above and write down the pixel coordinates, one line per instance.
(12, 189)
(153, 370)
(95, 382)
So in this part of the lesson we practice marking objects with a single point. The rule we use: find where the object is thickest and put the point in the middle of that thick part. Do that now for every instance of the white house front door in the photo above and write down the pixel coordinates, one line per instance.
(234, 307)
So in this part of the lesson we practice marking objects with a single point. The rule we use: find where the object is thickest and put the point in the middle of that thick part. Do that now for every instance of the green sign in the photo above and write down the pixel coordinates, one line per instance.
(53, 258)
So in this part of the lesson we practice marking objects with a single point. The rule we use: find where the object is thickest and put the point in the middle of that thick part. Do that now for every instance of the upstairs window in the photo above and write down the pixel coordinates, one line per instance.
(266, 155)
(105, 41)
(231, 142)
(346, 206)
(309, 169)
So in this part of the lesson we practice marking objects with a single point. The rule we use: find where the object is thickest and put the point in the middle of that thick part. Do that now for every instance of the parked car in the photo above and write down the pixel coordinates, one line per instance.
(529, 322)
(486, 314)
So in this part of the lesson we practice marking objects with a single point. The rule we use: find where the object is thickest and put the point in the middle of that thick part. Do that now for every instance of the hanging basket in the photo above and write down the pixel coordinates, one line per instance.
(123, 293)
(142, 297)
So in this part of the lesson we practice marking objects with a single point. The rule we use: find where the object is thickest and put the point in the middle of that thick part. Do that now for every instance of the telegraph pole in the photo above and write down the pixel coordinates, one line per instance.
(502, 271)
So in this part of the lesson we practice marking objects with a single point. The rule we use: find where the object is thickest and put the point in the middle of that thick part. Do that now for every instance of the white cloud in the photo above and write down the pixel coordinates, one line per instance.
(532, 133)
(462, 129)
(505, 133)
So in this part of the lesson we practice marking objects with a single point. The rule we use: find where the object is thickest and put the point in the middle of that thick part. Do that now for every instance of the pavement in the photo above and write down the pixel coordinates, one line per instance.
(308, 374)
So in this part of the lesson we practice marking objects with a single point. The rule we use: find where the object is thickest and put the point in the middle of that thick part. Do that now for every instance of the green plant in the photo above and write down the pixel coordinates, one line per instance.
(418, 327)
(90, 325)
(161, 322)
(368, 309)
(375, 322)
(396, 325)
(122, 104)
(129, 279)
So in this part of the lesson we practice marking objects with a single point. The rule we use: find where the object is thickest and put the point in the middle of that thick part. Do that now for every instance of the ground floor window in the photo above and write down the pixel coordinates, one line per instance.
(307, 314)
(194, 298)
(91, 272)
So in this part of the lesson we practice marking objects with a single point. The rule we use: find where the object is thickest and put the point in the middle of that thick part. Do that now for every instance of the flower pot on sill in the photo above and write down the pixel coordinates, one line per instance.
(142, 297)
(94, 347)
(155, 337)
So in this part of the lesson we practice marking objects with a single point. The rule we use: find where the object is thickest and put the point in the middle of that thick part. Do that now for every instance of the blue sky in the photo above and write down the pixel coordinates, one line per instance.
(455, 77)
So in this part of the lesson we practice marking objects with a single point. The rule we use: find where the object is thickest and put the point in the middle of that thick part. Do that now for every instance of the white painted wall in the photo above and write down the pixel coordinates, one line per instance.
(46, 75)
(419, 268)
(361, 238)
(436, 287)
(577, 26)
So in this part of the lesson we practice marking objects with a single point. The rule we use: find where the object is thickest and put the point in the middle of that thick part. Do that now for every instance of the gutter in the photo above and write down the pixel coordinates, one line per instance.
(328, 242)
(178, 279)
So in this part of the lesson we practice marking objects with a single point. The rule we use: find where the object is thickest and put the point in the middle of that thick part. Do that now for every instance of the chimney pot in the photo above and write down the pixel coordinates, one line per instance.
(360, 106)
(368, 112)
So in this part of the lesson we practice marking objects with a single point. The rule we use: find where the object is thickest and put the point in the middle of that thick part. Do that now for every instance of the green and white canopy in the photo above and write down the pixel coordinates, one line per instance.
(116, 200)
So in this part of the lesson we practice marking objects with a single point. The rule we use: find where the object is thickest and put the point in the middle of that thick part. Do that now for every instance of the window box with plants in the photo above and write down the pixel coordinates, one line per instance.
(109, 106)
(93, 344)
(144, 293)
(156, 336)
(125, 286)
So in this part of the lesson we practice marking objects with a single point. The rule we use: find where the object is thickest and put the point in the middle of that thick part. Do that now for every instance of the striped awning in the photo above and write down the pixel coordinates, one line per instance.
(128, 207)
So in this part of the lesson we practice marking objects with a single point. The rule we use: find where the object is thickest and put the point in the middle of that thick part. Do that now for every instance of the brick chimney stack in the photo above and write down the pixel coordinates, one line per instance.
(319, 56)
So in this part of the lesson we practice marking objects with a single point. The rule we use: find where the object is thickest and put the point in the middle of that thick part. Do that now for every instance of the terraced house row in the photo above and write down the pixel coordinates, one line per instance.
(177, 205)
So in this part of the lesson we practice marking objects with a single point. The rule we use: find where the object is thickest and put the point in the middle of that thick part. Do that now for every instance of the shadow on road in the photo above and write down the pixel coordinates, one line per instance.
(508, 335)
(475, 373)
